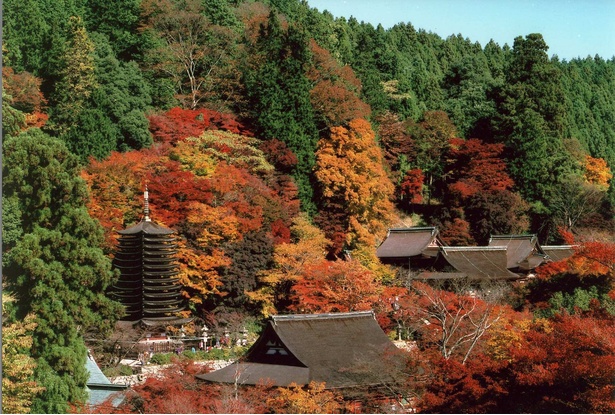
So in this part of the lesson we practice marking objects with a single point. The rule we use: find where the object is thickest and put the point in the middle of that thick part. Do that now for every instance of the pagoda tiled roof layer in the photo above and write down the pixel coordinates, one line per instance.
(148, 228)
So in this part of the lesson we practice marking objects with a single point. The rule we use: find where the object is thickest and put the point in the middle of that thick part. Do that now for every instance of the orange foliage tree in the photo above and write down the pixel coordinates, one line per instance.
(336, 90)
(567, 367)
(116, 187)
(590, 258)
(476, 166)
(411, 188)
(306, 248)
(353, 185)
(563, 365)
(597, 172)
(335, 286)
(175, 389)
(480, 187)
(313, 399)
(396, 141)
(583, 281)
(177, 124)
(24, 91)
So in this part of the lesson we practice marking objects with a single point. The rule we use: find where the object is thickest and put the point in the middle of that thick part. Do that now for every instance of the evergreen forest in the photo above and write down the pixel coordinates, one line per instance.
(281, 144)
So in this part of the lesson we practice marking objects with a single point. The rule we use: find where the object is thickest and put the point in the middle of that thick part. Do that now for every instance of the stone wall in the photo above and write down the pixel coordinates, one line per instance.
(148, 371)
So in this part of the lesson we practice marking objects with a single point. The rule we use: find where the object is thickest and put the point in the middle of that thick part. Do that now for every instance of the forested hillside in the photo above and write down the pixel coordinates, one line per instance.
(281, 143)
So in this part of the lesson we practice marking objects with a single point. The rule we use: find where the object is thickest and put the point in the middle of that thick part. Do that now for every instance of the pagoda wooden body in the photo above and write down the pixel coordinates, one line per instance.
(148, 285)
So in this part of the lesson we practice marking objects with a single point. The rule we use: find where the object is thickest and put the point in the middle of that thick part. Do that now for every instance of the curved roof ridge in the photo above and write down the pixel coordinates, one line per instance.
(473, 248)
(288, 317)
(414, 229)
(514, 236)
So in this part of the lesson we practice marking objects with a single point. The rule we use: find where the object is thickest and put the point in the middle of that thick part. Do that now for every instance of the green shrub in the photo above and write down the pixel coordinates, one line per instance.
(114, 371)
(161, 358)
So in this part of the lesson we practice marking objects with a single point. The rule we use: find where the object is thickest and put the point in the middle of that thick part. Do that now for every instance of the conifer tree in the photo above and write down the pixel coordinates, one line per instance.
(529, 121)
(56, 270)
(77, 79)
(279, 93)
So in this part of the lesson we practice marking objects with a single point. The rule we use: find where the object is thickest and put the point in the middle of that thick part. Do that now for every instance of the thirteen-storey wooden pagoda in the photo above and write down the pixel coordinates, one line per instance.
(148, 285)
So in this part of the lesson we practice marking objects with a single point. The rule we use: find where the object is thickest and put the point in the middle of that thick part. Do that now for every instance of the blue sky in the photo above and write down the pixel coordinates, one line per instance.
(571, 28)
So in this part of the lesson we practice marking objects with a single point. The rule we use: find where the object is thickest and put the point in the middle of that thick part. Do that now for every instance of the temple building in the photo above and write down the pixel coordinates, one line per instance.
(148, 285)
(507, 257)
(347, 351)
(480, 262)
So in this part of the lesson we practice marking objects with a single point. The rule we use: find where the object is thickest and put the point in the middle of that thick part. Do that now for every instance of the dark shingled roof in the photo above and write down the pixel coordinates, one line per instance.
(520, 250)
(558, 252)
(480, 262)
(251, 373)
(408, 242)
(340, 349)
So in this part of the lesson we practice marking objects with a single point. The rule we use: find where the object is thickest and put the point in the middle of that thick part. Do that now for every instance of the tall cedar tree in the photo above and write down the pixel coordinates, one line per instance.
(13, 120)
(118, 20)
(279, 98)
(529, 120)
(57, 270)
(77, 80)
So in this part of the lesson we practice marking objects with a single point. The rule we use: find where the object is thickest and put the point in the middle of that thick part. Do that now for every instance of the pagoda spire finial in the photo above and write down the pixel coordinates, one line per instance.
(146, 205)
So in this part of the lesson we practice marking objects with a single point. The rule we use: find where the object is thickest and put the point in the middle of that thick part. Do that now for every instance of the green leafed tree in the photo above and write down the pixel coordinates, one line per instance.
(190, 51)
(111, 115)
(220, 12)
(117, 19)
(123, 96)
(56, 270)
(24, 33)
(466, 84)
